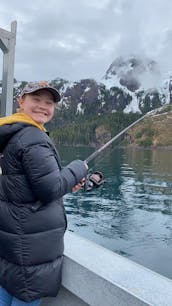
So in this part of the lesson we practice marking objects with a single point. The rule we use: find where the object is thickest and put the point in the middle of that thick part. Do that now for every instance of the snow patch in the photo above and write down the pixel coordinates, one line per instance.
(133, 106)
(79, 110)
(87, 89)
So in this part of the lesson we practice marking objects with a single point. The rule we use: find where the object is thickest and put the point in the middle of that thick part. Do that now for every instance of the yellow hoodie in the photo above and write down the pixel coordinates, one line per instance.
(20, 117)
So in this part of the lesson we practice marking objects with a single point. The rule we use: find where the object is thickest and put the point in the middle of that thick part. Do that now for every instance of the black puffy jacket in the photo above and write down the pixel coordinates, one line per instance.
(32, 216)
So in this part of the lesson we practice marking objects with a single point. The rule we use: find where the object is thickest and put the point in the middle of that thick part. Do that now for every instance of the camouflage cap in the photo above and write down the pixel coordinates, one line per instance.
(35, 86)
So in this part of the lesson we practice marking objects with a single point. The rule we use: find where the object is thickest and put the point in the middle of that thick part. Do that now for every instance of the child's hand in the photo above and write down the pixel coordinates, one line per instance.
(79, 185)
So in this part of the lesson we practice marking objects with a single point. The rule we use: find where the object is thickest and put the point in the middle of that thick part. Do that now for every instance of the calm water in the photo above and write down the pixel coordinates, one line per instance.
(132, 213)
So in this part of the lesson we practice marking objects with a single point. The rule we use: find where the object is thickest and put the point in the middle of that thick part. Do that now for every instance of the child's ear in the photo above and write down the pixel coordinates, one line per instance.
(20, 101)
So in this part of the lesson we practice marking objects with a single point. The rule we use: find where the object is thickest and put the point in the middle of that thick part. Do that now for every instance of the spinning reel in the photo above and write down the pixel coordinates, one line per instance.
(93, 180)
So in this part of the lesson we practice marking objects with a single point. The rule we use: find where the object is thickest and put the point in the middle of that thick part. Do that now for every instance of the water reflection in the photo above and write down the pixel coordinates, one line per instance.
(131, 213)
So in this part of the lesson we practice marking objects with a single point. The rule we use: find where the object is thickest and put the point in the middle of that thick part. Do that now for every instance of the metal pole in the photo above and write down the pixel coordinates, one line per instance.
(7, 44)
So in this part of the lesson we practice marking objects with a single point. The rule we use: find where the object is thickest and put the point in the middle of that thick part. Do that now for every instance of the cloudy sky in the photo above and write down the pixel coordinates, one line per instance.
(75, 39)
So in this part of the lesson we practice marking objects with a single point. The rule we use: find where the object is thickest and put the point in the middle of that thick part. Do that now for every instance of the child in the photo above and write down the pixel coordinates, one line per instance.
(32, 215)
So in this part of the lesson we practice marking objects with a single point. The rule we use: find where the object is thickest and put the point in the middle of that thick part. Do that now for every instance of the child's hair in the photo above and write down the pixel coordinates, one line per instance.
(18, 110)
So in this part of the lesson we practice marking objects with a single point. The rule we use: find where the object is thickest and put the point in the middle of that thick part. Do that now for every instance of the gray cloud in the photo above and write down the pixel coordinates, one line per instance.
(79, 39)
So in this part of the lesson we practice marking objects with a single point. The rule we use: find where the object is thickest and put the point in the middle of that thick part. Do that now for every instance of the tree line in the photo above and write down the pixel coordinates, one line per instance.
(72, 129)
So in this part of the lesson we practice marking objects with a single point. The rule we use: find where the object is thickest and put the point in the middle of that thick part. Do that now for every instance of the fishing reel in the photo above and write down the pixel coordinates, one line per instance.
(93, 180)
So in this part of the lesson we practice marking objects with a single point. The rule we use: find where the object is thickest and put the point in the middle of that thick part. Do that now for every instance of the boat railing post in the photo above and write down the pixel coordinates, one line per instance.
(7, 45)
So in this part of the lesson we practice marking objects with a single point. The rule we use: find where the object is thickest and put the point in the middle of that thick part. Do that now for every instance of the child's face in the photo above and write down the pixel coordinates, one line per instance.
(39, 106)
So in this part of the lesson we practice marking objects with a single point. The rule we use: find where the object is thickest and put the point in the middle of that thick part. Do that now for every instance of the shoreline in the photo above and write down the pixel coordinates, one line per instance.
(132, 146)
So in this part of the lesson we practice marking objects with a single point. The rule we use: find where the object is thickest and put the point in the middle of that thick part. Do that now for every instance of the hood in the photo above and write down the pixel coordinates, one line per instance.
(12, 124)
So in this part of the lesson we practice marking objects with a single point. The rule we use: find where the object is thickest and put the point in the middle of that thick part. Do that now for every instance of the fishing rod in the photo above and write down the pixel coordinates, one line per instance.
(95, 179)
(107, 144)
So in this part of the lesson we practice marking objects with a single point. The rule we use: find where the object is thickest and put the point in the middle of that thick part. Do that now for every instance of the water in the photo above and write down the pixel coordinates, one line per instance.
(131, 214)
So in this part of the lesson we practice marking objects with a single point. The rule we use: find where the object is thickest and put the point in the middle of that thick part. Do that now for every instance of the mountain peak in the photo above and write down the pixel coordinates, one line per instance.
(133, 72)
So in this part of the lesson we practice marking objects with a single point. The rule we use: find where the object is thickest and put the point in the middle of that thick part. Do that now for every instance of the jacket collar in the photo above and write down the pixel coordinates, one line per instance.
(20, 117)
(10, 125)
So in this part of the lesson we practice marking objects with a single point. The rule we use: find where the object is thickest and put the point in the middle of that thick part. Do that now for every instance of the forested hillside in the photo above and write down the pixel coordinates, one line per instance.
(90, 130)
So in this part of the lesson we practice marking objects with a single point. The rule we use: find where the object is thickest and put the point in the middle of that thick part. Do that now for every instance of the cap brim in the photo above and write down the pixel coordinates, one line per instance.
(53, 91)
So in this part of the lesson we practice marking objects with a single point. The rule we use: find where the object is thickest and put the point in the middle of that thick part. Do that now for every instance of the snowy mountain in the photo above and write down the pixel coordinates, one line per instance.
(130, 84)
(141, 79)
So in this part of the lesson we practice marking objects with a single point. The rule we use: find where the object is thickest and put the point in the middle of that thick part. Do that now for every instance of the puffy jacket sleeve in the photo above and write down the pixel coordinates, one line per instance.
(47, 181)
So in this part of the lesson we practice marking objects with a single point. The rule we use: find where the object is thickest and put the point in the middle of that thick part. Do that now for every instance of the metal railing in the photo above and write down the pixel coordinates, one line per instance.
(93, 275)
